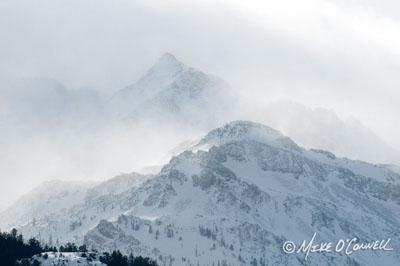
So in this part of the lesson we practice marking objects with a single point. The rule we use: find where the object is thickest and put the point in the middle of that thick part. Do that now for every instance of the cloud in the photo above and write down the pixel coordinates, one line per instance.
(341, 55)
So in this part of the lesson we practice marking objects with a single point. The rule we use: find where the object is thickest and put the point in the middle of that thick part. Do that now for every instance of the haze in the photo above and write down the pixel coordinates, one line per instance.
(342, 56)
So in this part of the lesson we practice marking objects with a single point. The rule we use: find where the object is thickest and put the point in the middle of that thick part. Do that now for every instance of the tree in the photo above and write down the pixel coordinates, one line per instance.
(115, 259)
(14, 233)
(14, 251)
(82, 248)
(140, 261)
(131, 259)
(34, 246)
(70, 247)
(13, 248)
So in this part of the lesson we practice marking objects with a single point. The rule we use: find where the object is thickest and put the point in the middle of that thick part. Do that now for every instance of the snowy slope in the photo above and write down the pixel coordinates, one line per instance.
(53, 205)
(116, 185)
(48, 198)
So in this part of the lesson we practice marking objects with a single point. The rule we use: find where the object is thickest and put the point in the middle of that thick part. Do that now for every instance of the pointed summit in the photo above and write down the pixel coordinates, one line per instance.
(168, 58)
(167, 64)
(182, 93)
(163, 71)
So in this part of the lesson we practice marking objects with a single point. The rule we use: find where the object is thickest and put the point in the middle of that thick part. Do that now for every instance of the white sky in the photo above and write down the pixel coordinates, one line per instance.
(343, 55)
(339, 54)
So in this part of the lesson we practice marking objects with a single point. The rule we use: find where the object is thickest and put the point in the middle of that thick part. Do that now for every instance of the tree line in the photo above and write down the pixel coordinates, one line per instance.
(14, 248)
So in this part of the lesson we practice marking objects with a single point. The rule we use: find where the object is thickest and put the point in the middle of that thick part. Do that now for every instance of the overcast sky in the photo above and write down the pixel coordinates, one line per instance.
(342, 55)
(339, 54)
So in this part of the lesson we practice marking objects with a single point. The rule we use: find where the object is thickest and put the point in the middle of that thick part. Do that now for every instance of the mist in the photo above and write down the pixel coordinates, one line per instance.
(61, 62)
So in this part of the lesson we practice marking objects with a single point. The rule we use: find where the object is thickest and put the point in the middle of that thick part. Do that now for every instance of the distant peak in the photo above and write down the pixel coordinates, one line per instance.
(168, 57)
(166, 67)
(168, 60)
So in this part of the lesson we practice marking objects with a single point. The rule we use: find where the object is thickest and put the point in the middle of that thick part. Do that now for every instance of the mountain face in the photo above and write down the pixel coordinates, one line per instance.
(234, 198)
(67, 209)
(174, 92)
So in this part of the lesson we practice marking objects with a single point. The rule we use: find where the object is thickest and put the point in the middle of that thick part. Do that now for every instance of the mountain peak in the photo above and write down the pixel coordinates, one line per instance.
(246, 130)
(168, 62)
(167, 57)
(163, 71)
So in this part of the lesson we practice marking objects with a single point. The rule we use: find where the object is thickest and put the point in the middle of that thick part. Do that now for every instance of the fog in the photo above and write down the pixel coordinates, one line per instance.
(341, 56)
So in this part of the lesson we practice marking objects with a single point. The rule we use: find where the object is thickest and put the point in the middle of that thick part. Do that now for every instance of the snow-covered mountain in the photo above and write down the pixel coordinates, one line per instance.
(171, 91)
(234, 197)
(56, 199)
